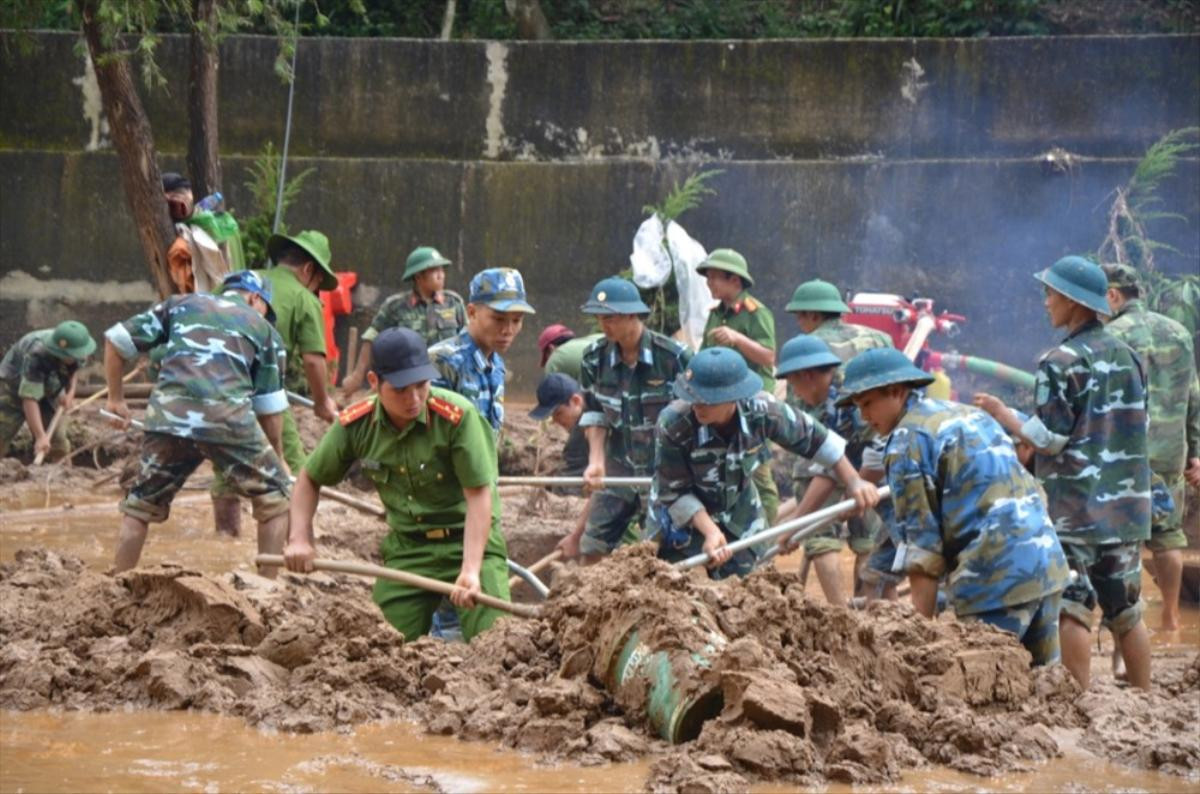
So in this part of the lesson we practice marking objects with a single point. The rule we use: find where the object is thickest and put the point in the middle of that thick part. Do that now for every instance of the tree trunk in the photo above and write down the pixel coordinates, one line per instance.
(204, 157)
(134, 143)
(531, 21)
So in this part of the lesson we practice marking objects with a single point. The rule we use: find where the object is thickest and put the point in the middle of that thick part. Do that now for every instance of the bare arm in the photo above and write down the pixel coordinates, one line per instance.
(864, 493)
(714, 538)
(301, 547)
(354, 380)
(317, 375)
(924, 593)
(114, 369)
(593, 475)
(272, 425)
(475, 534)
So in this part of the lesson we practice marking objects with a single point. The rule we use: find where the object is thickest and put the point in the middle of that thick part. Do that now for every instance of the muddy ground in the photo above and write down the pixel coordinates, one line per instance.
(802, 693)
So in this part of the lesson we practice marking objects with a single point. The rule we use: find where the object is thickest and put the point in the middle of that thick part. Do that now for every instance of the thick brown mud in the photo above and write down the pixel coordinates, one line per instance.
(810, 693)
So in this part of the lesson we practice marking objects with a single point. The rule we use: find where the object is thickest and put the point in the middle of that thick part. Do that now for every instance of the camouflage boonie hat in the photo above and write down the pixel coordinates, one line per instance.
(880, 367)
(72, 340)
(728, 260)
(422, 259)
(1122, 276)
(500, 288)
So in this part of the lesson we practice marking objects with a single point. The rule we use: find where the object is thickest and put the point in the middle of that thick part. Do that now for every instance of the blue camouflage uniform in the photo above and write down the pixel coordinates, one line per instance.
(964, 508)
(697, 468)
(466, 370)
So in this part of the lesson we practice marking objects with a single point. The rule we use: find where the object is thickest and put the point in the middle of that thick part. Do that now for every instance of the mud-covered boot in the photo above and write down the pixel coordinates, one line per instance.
(227, 515)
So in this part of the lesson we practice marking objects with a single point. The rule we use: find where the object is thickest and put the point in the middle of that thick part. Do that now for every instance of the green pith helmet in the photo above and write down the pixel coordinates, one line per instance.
(615, 295)
(817, 296)
(72, 340)
(317, 246)
(422, 259)
(882, 366)
(1079, 280)
(728, 260)
(717, 375)
(804, 352)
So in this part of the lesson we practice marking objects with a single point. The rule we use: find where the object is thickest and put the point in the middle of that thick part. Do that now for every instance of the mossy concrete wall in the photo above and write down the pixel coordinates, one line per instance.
(898, 166)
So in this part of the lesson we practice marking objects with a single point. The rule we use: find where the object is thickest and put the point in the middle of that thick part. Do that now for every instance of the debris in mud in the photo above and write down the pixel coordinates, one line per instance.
(805, 693)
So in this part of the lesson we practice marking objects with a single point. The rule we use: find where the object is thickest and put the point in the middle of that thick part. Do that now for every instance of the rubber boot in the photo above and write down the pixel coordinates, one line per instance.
(227, 515)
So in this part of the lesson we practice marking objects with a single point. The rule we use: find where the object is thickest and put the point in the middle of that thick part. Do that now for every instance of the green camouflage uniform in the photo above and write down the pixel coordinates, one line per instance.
(626, 401)
(420, 473)
(750, 317)
(435, 320)
(697, 468)
(847, 340)
(301, 323)
(31, 370)
(1165, 348)
(222, 367)
(1091, 417)
(964, 508)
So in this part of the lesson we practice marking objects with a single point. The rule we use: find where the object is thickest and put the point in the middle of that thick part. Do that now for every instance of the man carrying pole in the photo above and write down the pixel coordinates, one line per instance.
(432, 458)
(219, 396)
(38, 371)
(710, 441)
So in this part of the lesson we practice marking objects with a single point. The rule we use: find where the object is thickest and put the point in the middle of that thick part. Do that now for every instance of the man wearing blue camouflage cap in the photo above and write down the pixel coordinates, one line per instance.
(964, 508)
(471, 362)
(1090, 433)
(710, 442)
(219, 396)
(626, 379)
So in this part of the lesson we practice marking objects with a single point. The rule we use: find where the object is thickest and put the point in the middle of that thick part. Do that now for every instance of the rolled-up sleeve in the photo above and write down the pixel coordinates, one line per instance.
(118, 334)
(671, 489)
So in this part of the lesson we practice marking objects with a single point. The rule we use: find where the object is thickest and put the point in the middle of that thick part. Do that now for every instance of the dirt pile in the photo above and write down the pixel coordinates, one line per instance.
(804, 693)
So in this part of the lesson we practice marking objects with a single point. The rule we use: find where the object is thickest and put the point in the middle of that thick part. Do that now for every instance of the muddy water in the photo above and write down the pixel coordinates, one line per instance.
(152, 751)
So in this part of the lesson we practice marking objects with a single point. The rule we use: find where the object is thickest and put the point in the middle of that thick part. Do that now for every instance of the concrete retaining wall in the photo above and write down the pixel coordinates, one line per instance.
(892, 165)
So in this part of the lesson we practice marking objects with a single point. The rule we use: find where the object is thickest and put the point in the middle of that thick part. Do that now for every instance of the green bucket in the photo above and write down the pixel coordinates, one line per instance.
(678, 698)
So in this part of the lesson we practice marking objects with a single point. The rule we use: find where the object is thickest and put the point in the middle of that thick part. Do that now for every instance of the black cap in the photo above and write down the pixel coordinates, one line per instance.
(172, 181)
(554, 390)
(399, 357)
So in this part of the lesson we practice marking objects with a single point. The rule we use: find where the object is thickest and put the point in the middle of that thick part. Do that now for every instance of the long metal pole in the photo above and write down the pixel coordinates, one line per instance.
(810, 521)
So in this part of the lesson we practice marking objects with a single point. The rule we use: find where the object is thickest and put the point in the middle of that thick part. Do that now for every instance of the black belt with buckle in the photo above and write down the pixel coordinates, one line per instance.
(443, 534)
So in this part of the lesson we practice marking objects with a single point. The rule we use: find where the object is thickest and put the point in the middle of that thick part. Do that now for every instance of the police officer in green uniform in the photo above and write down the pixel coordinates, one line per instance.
(434, 312)
(433, 461)
(739, 321)
(40, 367)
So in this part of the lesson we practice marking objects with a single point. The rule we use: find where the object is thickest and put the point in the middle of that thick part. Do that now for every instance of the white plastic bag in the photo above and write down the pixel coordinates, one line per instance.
(651, 266)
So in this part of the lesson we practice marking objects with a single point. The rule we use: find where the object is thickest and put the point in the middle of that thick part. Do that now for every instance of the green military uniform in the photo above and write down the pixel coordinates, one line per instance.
(435, 320)
(40, 367)
(752, 319)
(420, 473)
(1165, 348)
(301, 323)
(220, 371)
(847, 340)
(567, 358)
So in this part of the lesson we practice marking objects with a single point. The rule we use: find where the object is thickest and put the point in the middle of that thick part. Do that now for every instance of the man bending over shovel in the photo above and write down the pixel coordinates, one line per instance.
(432, 458)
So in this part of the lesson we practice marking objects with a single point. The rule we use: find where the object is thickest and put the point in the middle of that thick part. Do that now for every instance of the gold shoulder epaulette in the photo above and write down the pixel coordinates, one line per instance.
(352, 413)
(445, 409)
(750, 304)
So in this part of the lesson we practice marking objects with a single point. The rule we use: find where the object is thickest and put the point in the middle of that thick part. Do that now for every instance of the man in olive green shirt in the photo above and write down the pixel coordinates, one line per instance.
(741, 322)
(301, 269)
(562, 351)
(432, 458)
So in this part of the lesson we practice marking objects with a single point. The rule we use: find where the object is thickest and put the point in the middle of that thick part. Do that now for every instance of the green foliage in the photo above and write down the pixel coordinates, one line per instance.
(263, 187)
(1135, 207)
(664, 300)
